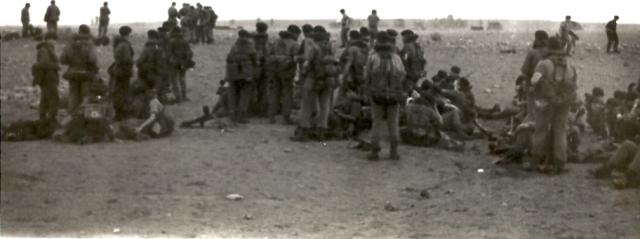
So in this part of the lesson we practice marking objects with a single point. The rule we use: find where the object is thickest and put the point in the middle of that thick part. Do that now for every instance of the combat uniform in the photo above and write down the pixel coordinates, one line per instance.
(259, 101)
(81, 58)
(413, 60)
(180, 60)
(45, 72)
(26, 20)
(282, 68)
(51, 17)
(241, 62)
(103, 21)
(612, 36)
(120, 73)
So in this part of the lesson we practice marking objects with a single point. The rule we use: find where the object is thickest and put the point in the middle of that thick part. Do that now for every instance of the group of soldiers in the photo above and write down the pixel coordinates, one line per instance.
(197, 22)
(51, 17)
(371, 84)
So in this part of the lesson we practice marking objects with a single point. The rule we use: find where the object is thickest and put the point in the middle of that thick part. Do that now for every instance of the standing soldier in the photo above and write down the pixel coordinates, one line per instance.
(185, 21)
(200, 20)
(212, 24)
(345, 23)
(26, 20)
(45, 75)
(52, 16)
(282, 70)
(393, 34)
(413, 60)
(241, 62)
(120, 72)
(373, 20)
(384, 74)
(534, 56)
(259, 100)
(173, 15)
(147, 62)
(555, 81)
(612, 35)
(352, 62)
(81, 58)
(319, 70)
(104, 20)
(180, 59)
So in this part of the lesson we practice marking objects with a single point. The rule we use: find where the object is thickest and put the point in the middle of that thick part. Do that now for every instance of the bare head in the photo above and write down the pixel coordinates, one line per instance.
(173, 4)
(27, 5)
(105, 4)
(374, 12)
(342, 11)
(567, 18)
(53, 2)
(616, 17)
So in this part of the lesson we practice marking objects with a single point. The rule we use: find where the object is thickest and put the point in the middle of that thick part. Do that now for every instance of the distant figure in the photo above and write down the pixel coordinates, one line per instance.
(567, 36)
(52, 16)
(103, 23)
(345, 23)
(212, 18)
(173, 12)
(612, 35)
(373, 20)
(81, 57)
(24, 18)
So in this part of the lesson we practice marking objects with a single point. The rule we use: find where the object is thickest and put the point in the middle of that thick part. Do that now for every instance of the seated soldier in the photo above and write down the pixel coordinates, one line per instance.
(220, 109)
(614, 109)
(595, 107)
(439, 77)
(423, 126)
(153, 122)
(623, 166)
(348, 117)
(92, 122)
(450, 82)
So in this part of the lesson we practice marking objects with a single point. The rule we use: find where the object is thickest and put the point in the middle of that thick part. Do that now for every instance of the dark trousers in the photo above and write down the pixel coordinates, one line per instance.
(179, 84)
(52, 27)
(280, 95)
(550, 136)
(26, 30)
(260, 101)
(200, 34)
(78, 89)
(49, 100)
(612, 41)
(120, 96)
(344, 36)
(102, 28)
(239, 96)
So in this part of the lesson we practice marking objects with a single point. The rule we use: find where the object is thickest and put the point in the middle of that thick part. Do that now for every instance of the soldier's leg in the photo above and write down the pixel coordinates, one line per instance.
(393, 121)
(44, 101)
(55, 27)
(244, 100)
(233, 94)
(609, 41)
(275, 95)
(377, 115)
(540, 136)
(324, 101)
(309, 102)
(174, 79)
(53, 99)
(559, 136)
(74, 96)
(286, 94)
(344, 37)
(182, 78)
(615, 42)
(25, 30)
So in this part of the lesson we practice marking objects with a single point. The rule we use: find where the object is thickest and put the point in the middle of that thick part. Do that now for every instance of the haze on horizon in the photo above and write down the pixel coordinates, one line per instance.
(74, 12)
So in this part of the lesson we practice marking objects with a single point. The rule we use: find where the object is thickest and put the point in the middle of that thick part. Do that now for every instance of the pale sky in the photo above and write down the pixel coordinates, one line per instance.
(125, 11)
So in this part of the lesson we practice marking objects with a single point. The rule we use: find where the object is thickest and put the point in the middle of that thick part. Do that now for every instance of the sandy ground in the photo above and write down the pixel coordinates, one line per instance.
(176, 187)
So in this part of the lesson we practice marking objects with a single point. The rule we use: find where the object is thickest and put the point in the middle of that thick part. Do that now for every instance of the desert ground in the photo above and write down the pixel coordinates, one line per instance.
(177, 186)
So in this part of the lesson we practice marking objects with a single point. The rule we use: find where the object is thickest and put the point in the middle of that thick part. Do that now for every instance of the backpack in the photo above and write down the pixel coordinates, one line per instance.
(386, 81)
(325, 67)
(240, 63)
(280, 62)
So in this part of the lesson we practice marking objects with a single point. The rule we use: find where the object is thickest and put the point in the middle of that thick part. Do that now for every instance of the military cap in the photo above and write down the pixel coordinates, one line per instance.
(319, 29)
(153, 34)
(383, 37)
(456, 69)
(406, 32)
(354, 35)
(261, 27)
(364, 31)
(307, 28)
(541, 35)
(392, 33)
(124, 30)
(294, 29)
(244, 33)
(84, 29)
(464, 84)
(597, 91)
(555, 47)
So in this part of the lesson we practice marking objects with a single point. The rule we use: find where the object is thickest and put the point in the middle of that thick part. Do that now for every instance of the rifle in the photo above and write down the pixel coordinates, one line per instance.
(200, 120)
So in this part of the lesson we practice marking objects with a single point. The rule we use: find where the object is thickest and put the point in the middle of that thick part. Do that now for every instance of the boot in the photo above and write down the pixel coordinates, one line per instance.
(602, 172)
(393, 152)
(375, 150)
(300, 135)
(321, 134)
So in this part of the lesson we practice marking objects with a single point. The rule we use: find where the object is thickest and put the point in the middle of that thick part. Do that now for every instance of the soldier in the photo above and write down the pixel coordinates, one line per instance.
(157, 123)
(567, 36)
(104, 20)
(373, 21)
(180, 60)
(450, 82)
(282, 69)
(626, 163)
(319, 70)
(26, 20)
(45, 75)
(51, 17)
(534, 56)
(384, 74)
(259, 101)
(352, 62)
(555, 81)
(241, 62)
(120, 72)
(413, 60)
(345, 25)
(612, 35)
(173, 12)
(201, 19)
(81, 58)
(365, 35)
(392, 33)
(209, 24)
(185, 21)
(307, 30)
(147, 62)
(595, 106)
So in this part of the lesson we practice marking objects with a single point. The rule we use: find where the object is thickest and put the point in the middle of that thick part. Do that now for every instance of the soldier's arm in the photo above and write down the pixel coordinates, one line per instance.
(350, 56)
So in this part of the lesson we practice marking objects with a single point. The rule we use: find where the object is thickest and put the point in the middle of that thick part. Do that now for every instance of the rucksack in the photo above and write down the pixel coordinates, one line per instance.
(386, 80)
(280, 61)
(240, 63)
(325, 66)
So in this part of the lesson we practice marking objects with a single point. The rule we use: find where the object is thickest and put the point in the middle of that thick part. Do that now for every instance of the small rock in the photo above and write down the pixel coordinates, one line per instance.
(480, 170)
(116, 230)
(288, 150)
(234, 197)
(425, 194)
(247, 217)
(389, 207)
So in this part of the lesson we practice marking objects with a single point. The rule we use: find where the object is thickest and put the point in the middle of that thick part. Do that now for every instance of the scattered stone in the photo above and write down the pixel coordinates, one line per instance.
(234, 197)
(247, 217)
(425, 194)
(390, 207)
(116, 230)
(288, 150)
